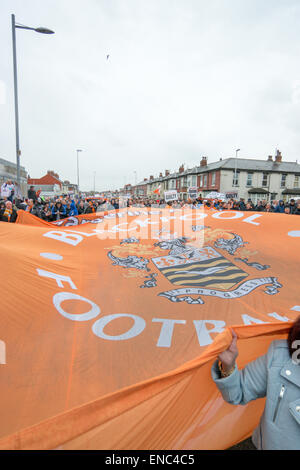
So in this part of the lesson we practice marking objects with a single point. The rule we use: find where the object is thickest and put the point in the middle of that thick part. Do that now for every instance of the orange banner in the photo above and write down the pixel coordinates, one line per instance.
(109, 327)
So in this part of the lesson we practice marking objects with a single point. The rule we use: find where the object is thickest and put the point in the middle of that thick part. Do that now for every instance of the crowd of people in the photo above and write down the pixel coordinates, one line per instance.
(53, 209)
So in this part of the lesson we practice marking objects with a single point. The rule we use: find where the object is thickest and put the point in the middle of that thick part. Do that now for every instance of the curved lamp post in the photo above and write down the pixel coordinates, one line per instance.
(37, 30)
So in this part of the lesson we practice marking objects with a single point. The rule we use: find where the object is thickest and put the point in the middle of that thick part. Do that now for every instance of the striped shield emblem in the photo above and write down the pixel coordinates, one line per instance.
(203, 267)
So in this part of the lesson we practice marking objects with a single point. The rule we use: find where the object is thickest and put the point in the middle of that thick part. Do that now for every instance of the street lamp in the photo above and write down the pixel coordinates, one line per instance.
(79, 150)
(235, 167)
(37, 30)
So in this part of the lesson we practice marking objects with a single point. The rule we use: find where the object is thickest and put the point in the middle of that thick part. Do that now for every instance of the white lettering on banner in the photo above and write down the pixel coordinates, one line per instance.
(192, 216)
(166, 333)
(69, 238)
(278, 317)
(81, 233)
(296, 308)
(58, 277)
(249, 320)
(144, 223)
(2, 352)
(62, 296)
(250, 219)
(116, 228)
(52, 256)
(236, 215)
(135, 330)
(203, 333)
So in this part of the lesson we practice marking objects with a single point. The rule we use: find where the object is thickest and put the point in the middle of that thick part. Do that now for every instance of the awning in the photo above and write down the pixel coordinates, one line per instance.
(258, 191)
(292, 191)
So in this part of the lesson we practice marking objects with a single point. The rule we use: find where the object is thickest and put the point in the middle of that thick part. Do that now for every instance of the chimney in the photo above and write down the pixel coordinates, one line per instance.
(270, 158)
(278, 157)
(151, 177)
(203, 161)
(181, 169)
(160, 175)
(167, 172)
(145, 179)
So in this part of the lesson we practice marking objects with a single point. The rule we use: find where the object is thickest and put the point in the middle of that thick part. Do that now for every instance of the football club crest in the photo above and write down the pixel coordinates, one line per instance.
(198, 272)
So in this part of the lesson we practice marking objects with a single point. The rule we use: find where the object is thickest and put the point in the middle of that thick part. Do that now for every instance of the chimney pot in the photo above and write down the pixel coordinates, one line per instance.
(270, 158)
(278, 157)
(203, 161)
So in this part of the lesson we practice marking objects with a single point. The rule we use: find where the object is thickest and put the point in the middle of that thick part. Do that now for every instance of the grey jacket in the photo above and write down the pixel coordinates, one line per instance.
(276, 377)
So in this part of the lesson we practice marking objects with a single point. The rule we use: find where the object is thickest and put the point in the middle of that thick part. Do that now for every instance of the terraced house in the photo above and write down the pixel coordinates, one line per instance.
(235, 177)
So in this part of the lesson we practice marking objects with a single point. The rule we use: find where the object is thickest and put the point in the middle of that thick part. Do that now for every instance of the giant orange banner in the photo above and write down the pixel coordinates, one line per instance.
(110, 324)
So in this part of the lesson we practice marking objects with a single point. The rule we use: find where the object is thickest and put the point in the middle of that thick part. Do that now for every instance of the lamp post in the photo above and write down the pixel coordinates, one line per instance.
(235, 167)
(78, 150)
(41, 30)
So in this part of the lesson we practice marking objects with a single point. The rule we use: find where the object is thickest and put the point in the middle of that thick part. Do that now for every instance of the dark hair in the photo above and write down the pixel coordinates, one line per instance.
(294, 334)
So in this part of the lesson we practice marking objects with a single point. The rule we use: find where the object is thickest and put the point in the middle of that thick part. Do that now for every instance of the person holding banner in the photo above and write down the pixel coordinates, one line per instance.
(276, 376)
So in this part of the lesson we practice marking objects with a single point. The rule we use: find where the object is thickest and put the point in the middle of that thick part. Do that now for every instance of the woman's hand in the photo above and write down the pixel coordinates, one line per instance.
(229, 356)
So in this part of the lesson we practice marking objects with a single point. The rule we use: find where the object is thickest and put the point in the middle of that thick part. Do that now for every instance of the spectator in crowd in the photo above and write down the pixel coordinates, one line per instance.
(73, 209)
(46, 213)
(8, 213)
(8, 190)
(268, 208)
(276, 376)
(90, 208)
(80, 208)
(58, 211)
(292, 205)
(297, 210)
(280, 207)
(31, 193)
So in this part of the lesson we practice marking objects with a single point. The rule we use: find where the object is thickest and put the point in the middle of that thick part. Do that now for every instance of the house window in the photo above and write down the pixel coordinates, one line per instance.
(184, 181)
(194, 180)
(265, 179)
(235, 179)
(249, 179)
(205, 180)
(296, 181)
(213, 178)
(201, 181)
(283, 180)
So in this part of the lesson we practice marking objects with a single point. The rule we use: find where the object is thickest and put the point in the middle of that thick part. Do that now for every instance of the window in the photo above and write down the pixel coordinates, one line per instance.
(201, 181)
(184, 181)
(194, 180)
(265, 179)
(283, 180)
(249, 179)
(296, 181)
(213, 178)
(205, 180)
(235, 179)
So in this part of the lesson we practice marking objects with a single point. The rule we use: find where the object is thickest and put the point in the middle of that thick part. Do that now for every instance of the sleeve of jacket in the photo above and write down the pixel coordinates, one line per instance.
(246, 385)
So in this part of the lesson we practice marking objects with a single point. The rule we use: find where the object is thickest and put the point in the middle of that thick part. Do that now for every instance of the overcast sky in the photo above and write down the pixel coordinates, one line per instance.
(184, 79)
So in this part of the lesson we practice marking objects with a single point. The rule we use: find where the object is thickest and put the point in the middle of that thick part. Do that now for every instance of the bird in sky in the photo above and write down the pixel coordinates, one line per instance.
(107, 57)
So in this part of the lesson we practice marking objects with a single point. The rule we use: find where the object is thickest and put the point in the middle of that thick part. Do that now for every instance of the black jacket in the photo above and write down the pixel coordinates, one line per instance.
(13, 216)
(32, 194)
